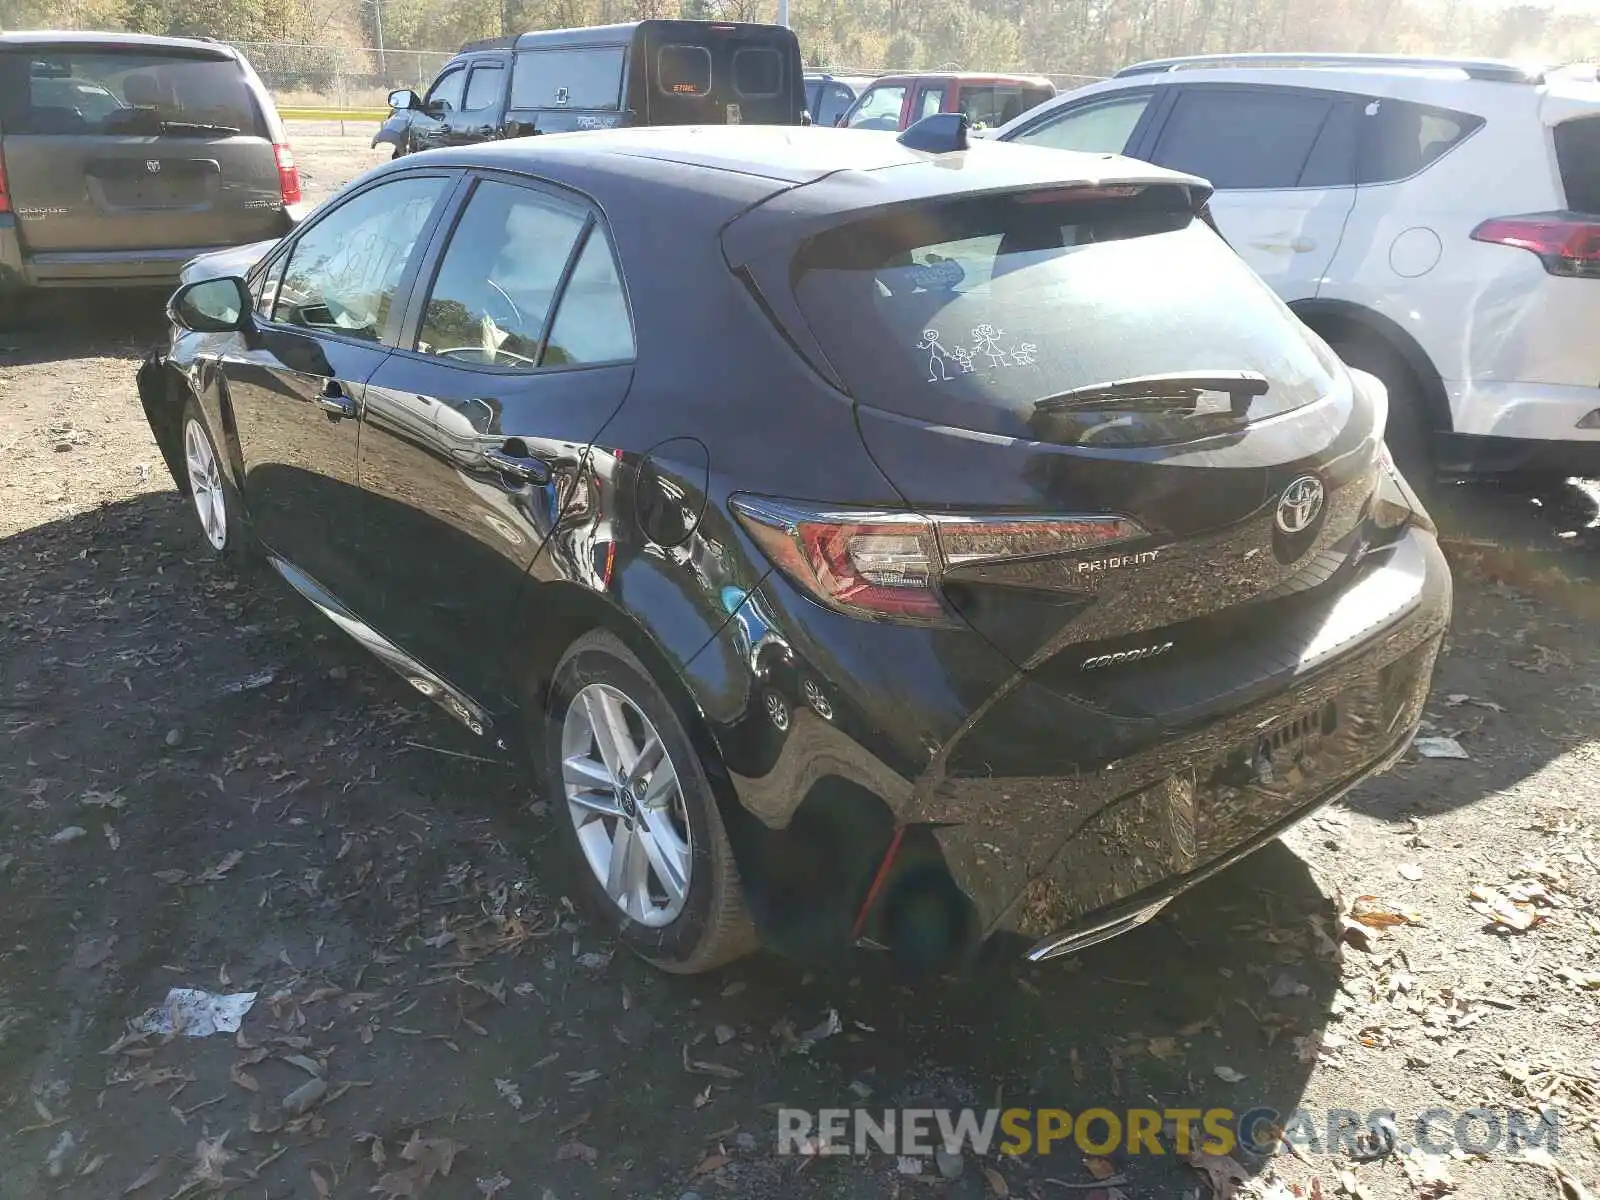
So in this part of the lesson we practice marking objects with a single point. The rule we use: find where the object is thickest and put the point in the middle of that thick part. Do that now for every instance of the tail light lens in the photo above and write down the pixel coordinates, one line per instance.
(288, 173)
(5, 196)
(1566, 244)
(888, 566)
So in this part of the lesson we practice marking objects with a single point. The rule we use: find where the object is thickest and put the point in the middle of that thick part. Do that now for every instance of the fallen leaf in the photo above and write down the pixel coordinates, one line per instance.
(710, 1163)
(1502, 911)
(70, 834)
(1410, 871)
(1227, 1074)
(576, 1149)
(211, 1157)
(724, 1034)
(695, 1067)
(243, 1078)
(1429, 1173)
(997, 1183)
(1439, 747)
(1221, 1172)
(509, 1092)
(1100, 1168)
(493, 1185)
(148, 1176)
(1570, 1186)
(223, 865)
(1163, 1047)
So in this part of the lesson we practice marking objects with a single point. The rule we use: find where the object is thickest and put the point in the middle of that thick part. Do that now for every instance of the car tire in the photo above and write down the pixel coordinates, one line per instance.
(672, 822)
(212, 496)
(1410, 431)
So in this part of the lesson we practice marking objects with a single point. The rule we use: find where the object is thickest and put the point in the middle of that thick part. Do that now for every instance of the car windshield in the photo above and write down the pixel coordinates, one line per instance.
(998, 303)
(66, 91)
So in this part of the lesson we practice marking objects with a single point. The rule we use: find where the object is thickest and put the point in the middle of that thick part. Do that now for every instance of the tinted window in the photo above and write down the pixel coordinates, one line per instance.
(498, 277)
(836, 101)
(446, 93)
(1578, 154)
(1399, 139)
(1332, 161)
(929, 101)
(879, 108)
(1243, 138)
(684, 70)
(1001, 302)
(568, 78)
(1098, 128)
(757, 72)
(989, 105)
(98, 92)
(344, 269)
(483, 89)
(591, 324)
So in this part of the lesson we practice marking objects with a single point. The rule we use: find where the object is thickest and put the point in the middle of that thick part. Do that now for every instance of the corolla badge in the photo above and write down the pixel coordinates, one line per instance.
(1154, 650)
(1300, 505)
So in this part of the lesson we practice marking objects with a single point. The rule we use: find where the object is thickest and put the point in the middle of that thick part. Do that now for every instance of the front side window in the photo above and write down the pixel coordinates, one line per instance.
(343, 271)
(483, 89)
(266, 287)
(1103, 127)
(684, 70)
(836, 101)
(447, 92)
(589, 79)
(498, 277)
(879, 108)
(98, 92)
(1243, 137)
(757, 72)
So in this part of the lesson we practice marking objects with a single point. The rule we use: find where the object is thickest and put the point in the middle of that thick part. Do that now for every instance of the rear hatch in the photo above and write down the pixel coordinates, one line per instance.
(723, 73)
(110, 148)
(1138, 464)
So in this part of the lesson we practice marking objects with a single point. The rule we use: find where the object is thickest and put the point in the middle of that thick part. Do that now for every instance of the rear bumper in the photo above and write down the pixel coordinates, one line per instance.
(96, 268)
(1517, 412)
(1021, 809)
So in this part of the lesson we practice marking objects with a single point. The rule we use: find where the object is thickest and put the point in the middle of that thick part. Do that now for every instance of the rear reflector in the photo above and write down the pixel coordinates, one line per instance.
(288, 173)
(888, 565)
(1567, 244)
(5, 196)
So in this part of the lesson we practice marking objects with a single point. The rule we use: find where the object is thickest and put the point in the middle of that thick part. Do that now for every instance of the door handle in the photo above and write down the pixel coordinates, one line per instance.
(333, 401)
(483, 131)
(522, 467)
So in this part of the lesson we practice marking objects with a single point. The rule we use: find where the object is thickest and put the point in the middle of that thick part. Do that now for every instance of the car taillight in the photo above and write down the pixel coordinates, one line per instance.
(1566, 244)
(5, 196)
(288, 173)
(888, 565)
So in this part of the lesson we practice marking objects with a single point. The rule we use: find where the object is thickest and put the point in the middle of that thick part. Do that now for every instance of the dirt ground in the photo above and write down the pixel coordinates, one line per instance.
(202, 785)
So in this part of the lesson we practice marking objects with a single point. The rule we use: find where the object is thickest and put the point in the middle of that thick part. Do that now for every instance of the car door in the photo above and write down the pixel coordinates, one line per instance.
(1109, 123)
(296, 379)
(443, 102)
(518, 348)
(1282, 161)
(482, 104)
(879, 107)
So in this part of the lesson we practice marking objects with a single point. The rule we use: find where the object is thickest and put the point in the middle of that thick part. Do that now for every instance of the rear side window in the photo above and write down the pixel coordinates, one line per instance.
(988, 106)
(684, 70)
(592, 323)
(977, 309)
(757, 72)
(1103, 127)
(1578, 154)
(587, 78)
(1243, 137)
(101, 92)
(1398, 139)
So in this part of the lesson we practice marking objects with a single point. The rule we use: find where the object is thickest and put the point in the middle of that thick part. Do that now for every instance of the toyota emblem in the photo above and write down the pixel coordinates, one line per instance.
(1300, 505)
(153, 165)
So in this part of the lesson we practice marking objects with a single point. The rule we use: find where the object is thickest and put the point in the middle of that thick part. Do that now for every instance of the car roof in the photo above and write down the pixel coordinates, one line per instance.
(965, 77)
(78, 37)
(593, 35)
(785, 155)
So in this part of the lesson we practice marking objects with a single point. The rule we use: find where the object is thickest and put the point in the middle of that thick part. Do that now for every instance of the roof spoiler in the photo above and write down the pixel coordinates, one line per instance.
(941, 133)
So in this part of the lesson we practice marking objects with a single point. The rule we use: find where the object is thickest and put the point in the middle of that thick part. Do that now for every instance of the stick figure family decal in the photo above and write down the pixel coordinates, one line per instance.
(946, 363)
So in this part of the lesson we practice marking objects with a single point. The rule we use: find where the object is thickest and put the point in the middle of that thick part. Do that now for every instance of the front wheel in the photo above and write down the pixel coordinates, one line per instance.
(215, 501)
(638, 814)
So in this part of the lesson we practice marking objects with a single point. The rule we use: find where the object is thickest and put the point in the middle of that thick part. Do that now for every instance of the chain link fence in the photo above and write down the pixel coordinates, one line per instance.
(354, 79)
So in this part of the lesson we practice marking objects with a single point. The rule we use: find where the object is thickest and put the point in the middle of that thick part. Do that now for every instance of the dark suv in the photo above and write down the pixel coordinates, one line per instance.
(122, 157)
(602, 77)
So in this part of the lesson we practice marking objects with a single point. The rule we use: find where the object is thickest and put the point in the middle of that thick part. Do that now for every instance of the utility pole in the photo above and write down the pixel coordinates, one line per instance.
(783, 12)
(377, 22)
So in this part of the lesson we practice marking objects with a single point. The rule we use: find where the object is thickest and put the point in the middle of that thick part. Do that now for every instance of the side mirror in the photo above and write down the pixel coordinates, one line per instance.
(404, 99)
(211, 305)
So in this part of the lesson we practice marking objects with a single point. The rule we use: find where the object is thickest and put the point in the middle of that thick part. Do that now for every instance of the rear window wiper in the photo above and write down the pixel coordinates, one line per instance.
(194, 128)
(1161, 393)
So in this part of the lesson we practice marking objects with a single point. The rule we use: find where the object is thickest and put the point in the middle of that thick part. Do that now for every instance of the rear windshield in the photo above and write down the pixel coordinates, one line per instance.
(978, 309)
(98, 92)
(1578, 153)
(757, 72)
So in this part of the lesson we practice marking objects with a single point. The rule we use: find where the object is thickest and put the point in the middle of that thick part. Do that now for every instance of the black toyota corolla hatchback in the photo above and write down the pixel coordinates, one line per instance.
(874, 545)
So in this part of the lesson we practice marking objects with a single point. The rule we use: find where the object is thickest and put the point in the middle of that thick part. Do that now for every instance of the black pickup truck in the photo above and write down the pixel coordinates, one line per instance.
(642, 73)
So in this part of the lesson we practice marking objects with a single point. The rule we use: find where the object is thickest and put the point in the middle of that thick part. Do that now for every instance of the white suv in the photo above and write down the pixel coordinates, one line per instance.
(1437, 221)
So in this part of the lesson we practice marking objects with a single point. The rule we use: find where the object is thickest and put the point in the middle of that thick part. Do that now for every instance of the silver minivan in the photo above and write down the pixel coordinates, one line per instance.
(124, 156)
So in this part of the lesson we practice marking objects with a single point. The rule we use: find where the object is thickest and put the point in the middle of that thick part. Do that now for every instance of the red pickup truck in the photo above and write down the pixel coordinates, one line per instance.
(900, 101)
